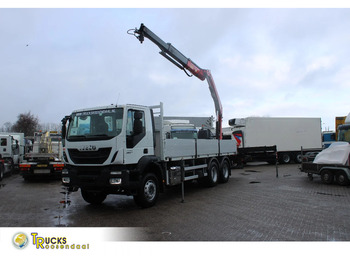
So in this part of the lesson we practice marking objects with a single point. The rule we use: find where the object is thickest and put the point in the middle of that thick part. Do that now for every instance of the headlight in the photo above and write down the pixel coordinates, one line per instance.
(115, 181)
(65, 180)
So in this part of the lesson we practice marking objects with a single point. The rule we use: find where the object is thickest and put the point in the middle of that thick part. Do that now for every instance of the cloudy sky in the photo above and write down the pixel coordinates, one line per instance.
(265, 62)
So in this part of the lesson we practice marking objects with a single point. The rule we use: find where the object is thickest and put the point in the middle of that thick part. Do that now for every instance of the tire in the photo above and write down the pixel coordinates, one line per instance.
(285, 158)
(224, 172)
(148, 193)
(213, 174)
(94, 198)
(342, 179)
(298, 158)
(1, 172)
(327, 177)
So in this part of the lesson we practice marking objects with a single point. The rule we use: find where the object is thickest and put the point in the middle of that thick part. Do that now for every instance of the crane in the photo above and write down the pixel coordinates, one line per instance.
(184, 63)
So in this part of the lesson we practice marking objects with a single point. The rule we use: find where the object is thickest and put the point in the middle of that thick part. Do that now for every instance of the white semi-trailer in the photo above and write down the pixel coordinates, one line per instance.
(119, 149)
(257, 137)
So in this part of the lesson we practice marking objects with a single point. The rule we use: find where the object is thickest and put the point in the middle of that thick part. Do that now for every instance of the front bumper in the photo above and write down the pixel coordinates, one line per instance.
(109, 179)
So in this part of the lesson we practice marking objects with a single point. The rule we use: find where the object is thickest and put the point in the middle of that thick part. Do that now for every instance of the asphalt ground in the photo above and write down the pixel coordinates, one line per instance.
(254, 205)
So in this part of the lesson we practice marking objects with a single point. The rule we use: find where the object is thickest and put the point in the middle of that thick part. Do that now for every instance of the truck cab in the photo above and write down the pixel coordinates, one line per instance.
(109, 136)
(10, 149)
(180, 129)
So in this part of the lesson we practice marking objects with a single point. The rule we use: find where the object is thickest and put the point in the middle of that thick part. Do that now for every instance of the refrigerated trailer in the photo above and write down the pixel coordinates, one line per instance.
(261, 137)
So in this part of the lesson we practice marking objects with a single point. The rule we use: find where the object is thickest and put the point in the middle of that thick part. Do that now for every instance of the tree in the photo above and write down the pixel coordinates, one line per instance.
(7, 127)
(27, 124)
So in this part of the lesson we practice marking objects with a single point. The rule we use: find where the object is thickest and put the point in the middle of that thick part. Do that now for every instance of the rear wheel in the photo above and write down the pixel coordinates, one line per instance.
(148, 193)
(94, 198)
(224, 172)
(342, 179)
(213, 172)
(285, 158)
(327, 176)
(1, 171)
(298, 158)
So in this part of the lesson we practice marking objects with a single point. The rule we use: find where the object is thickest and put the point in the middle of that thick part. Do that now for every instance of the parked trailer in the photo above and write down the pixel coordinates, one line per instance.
(332, 164)
(257, 137)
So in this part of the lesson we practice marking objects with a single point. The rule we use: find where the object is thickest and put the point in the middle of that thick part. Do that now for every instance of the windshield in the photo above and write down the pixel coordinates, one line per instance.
(95, 124)
(344, 133)
(184, 133)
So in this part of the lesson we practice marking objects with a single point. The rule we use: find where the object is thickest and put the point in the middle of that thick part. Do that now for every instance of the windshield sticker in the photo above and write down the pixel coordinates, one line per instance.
(96, 112)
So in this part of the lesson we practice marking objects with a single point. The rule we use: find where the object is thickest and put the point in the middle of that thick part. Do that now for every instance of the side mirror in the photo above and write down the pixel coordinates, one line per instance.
(64, 127)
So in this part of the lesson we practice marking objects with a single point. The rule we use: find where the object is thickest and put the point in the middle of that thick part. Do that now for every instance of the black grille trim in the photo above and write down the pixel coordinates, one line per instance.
(90, 157)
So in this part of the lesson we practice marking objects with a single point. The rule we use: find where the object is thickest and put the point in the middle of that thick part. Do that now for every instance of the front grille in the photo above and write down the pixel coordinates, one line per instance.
(89, 157)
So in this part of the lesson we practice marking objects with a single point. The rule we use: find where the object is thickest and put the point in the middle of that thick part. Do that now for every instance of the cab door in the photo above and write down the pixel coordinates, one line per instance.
(139, 136)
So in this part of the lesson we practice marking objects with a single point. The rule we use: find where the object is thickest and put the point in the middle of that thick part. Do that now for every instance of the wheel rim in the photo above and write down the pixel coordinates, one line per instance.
(150, 190)
(341, 178)
(286, 158)
(214, 174)
(298, 158)
(326, 176)
(225, 171)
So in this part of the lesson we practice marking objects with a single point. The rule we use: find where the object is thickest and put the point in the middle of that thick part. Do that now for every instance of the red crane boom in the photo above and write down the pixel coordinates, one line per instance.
(184, 63)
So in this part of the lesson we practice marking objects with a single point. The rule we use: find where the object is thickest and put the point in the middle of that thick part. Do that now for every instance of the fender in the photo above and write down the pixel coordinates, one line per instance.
(150, 163)
(144, 162)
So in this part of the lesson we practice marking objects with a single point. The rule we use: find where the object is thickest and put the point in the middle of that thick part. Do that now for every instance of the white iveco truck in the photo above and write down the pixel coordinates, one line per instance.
(119, 149)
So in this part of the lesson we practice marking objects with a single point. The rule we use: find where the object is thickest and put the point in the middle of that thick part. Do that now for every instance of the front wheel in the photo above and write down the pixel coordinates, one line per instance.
(148, 193)
(94, 198)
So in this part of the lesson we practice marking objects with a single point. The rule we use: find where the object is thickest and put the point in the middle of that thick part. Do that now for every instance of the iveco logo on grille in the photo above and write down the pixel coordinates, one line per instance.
(88, 148)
